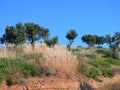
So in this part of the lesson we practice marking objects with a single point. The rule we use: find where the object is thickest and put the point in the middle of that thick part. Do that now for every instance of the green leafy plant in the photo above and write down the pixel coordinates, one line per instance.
(93, 73)
(29, 70)
(12, 81)
(51, 41)
(107, 73)
(2, 75)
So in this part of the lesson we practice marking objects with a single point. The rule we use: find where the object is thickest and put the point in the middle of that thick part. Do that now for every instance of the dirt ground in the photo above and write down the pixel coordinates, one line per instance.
(54, 83)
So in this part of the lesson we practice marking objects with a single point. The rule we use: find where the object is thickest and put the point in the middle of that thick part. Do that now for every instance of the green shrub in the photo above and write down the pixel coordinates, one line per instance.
(103, 64)
(111, 61)
(75, 51)
(12, 81)
(107, 73)
(22, 82)
(93, 73)
(108, 53)
(100, 63)
(17, 67)
(94, 63)
(111, 54)
(51, 41)
(92, 56)
(100, 51)
(1, 76)
(29, 70)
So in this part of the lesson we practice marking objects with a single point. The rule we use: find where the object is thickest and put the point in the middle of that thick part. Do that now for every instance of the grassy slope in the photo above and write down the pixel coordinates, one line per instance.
(56, 61)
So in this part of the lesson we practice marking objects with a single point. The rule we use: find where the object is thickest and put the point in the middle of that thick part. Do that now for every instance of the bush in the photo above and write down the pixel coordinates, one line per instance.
(111, 54)
(93, 73)
(29, 70)
(100, 63)
(103, 64)
(107, 73)
(17, 67)
(1, 76)
(12, 81)
(47, 71)
(75, 51)
(92, 56)
(51, 42)
(100, 51)
(108, 53)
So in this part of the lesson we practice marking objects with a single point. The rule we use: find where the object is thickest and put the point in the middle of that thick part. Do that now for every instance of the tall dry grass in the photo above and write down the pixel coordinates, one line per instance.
(58, 59)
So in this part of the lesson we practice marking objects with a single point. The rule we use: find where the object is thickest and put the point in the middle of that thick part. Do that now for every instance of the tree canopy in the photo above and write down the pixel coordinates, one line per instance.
(89, 39)
(71, 35)
(14, 34)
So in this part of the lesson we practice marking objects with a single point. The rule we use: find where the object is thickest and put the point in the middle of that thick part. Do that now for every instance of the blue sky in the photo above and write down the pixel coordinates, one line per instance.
(85, 16)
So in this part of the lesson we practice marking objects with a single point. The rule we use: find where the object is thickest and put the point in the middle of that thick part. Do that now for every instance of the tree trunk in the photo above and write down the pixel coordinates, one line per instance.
(32, 43)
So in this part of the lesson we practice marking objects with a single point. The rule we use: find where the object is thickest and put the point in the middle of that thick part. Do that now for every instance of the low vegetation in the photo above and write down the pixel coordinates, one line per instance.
(23, 56)
(95, 62)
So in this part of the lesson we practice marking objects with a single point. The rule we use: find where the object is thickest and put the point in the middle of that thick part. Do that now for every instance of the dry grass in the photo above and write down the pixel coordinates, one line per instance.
(57, 58)
(62, 62)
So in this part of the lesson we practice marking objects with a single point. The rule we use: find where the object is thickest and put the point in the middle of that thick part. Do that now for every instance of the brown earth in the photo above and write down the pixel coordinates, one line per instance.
(54, 83)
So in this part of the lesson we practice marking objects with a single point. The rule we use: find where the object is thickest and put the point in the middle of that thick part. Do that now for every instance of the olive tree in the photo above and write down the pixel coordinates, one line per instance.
(71, 35)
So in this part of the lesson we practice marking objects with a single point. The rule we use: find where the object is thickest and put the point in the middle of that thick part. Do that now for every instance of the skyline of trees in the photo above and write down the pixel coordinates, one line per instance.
(31, 32)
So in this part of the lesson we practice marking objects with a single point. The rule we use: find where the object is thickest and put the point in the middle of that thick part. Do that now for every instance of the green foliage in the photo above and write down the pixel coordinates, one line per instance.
(32, 31)
(99, 40)
(12, 81)
(89, 39)
(92, 56)
(44, 33)
(16, 67)
(29, 70)
(71, 35)
(107, 73)
(93, 73)
(75, 51)
(1, 76)
(111, 61)
(100, 51)
(14, 34)
(113, 42)
(111, 54)
(52, 42)
(100, 63)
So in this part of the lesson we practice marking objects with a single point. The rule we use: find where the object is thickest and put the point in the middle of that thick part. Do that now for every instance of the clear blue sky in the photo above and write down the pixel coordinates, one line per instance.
(85, 16)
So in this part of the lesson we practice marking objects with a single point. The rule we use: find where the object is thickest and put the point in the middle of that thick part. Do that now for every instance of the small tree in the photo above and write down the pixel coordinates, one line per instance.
(108, 39)
(14, 35)
(51, 42)
(99, 40)
(113, 42)
(44, 33)
(89, 39)
(32, 31)
(71, 35)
